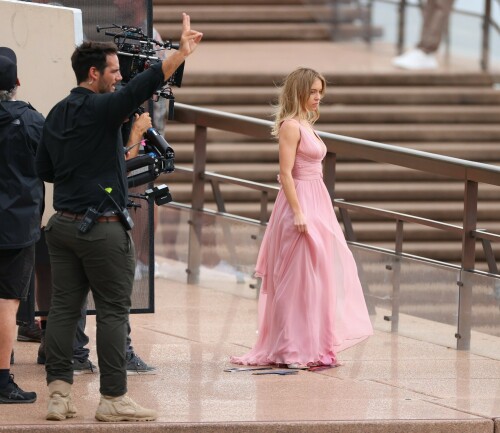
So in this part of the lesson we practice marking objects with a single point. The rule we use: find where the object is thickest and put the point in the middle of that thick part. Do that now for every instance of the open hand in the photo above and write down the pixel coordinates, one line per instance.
(189, 38)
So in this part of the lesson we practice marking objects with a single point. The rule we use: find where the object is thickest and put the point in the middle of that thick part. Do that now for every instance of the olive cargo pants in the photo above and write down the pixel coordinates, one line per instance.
(102, 259)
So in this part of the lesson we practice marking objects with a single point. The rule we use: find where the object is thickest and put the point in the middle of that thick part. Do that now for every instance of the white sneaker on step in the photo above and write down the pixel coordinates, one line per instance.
(415, 59)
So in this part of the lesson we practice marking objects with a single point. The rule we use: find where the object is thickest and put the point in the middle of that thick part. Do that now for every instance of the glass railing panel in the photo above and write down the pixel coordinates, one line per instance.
(485, 314)
(171, 242)
(421, 303)
(228, 249)
(416, 298)
(377, 285)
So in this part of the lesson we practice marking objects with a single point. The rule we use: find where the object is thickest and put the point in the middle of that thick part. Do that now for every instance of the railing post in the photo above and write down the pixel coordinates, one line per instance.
(226, 228)
(490, 256)
(485, 49)
(197, 202)
(348, 228)
(264, 198)
(401, 26)
(329, 168)
(396, 277)
(334, 20)
(468, 262)
(367, 22)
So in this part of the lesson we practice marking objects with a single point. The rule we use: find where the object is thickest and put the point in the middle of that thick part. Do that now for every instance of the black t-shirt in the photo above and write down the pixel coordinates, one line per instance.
(21, 191)
(82, 148)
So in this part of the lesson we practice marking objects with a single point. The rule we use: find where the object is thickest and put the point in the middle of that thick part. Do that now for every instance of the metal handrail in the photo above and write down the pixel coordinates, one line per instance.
(371, 150)
(471, 173)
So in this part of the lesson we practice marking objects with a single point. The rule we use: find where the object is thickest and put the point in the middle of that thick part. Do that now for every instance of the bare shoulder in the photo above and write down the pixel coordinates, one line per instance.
(289, 134)
(290, 127)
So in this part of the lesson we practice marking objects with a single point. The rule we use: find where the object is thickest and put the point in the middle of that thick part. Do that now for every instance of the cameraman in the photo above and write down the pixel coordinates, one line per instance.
(82, 153)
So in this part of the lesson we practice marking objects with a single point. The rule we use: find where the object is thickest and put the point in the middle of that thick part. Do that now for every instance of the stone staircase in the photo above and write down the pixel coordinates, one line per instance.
(450, 114)
(260, 20)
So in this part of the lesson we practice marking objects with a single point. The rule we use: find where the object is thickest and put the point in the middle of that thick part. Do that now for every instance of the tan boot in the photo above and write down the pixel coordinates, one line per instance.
(122, 408)
(60, 404)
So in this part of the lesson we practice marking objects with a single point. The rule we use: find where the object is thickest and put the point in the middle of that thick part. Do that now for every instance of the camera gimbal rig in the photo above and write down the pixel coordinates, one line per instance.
(136, 53)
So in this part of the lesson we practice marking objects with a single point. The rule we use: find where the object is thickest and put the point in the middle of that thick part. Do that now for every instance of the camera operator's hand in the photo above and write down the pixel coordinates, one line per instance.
(189, 38)
(141, 124)
(188, 43)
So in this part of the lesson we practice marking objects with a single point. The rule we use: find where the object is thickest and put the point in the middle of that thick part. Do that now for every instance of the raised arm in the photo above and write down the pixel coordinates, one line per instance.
(118, 105)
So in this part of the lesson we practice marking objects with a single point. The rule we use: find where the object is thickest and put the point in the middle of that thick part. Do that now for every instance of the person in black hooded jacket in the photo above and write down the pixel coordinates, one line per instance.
(21, 202)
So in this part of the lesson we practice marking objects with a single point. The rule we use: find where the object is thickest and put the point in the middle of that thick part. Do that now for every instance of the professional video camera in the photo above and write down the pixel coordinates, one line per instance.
(136, 53)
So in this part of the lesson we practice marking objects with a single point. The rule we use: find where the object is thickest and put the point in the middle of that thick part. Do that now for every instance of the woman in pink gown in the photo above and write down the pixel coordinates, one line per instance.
(311, 303)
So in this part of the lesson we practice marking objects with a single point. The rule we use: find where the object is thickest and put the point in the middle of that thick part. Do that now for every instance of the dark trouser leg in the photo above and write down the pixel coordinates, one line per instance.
(80, 351)
(69, 291)
(109, 264)
(128, 347)
(106, 259)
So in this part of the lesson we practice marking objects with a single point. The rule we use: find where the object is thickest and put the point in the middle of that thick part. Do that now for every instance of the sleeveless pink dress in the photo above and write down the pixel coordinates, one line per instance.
(311, 303)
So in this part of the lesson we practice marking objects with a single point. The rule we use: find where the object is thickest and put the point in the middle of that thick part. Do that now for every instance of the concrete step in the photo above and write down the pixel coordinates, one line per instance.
(230, 152)
(268, 152)
(272, 31)
(417, 132)
(440, 211)
(445, 132)
(452, 115)
(487, 152)
(247, 3)
(369, 231)
(360, 80)
(275, 13)
(439, 95)
(384, 114)
(350, 191)
(366, 231)
(349, 171)
(384, 95)
(436, 210)
(446, 251)
(419, 240)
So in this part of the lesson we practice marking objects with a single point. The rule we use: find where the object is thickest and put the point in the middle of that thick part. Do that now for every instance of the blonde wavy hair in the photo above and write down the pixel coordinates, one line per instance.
(294, 93)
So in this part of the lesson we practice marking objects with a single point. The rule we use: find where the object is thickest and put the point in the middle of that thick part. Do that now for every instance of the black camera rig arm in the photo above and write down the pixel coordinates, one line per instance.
(158, 157)
(136, 53)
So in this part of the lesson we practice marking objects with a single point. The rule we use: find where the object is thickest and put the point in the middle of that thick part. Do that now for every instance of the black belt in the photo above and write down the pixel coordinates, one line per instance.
(79, 217)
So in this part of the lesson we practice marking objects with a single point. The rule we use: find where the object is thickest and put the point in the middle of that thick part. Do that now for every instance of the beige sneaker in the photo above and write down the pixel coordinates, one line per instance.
(60, 405)
(123, 408)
